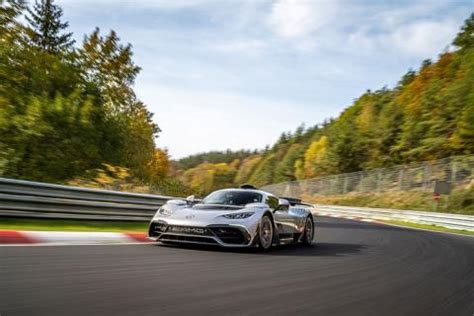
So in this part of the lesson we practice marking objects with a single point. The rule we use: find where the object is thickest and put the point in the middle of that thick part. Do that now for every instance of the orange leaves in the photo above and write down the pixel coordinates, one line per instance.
(159, 166)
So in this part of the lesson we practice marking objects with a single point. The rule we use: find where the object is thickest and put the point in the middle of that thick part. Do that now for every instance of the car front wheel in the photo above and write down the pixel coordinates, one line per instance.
(265, 233)
(308, 231)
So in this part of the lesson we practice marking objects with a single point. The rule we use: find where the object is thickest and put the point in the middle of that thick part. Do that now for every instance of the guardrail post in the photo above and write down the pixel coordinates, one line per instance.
(400, 179)
(426, 177)
(453, 172)
(379, 180)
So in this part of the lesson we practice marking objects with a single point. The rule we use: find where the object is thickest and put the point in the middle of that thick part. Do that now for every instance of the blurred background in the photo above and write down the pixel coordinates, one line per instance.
(70, 114)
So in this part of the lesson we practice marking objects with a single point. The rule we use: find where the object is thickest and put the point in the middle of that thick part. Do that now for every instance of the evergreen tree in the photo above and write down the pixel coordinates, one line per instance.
(465, 38)
(246, 169)
(10, 29)
(407, 78)
(47, 29)
(263, 173)
(285, 169)
(109, 64)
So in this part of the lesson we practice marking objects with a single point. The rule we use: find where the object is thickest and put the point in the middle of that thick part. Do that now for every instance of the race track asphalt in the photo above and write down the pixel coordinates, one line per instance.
(355, 268)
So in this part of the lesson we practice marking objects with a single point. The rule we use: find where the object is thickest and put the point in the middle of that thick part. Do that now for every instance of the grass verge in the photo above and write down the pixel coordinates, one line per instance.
(431, 227)
(71, 225)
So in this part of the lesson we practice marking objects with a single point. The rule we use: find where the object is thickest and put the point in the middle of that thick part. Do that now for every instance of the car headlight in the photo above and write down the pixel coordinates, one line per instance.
(162, 211)
(238, 215)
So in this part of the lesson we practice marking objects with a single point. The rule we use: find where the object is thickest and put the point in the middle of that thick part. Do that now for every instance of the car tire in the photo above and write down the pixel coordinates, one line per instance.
(265, 233)
(308, 234)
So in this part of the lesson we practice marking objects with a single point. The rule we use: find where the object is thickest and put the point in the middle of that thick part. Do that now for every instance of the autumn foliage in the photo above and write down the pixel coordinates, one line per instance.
(69, 112)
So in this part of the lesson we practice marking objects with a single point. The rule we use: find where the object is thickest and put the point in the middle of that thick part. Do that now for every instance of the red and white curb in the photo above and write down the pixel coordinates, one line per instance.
(13, 237)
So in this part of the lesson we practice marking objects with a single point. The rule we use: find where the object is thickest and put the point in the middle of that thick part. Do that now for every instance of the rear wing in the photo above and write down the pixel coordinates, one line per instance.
(295, 201)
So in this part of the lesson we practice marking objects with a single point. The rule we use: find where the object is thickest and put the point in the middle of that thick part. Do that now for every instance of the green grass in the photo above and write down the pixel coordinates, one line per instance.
(71, 225)
(431, 227)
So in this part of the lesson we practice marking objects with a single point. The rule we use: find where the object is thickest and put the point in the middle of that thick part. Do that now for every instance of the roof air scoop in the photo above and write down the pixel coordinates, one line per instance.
(248, 186)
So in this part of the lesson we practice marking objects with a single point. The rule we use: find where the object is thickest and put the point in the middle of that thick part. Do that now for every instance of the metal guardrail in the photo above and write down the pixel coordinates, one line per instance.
(453, 221)
(29, 199)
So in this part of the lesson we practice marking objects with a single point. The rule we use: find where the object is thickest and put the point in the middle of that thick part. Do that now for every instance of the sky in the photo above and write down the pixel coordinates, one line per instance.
(236, 74)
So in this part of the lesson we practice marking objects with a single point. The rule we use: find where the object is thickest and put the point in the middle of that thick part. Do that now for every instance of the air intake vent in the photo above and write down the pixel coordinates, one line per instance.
(248, 186)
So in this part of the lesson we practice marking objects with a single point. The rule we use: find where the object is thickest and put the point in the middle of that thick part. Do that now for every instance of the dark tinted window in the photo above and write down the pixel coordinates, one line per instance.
(232, 197)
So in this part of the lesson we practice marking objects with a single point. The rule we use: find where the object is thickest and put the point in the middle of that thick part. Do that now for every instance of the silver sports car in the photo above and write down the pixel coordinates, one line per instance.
(244, 217)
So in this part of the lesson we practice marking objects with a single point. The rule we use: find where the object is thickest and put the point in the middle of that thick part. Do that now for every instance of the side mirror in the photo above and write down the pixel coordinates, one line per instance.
(283, 205)
(190, 199)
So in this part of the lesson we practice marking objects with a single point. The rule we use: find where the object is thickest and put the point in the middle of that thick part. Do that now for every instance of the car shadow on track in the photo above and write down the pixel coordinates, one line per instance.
(320, 249)
(349, 224)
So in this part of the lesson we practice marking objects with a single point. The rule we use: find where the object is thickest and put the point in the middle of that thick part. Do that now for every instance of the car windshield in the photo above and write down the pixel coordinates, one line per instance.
(229, 197)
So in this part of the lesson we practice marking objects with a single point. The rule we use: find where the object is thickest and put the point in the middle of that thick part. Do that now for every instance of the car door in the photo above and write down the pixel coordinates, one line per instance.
(298, 214)
(284, 221)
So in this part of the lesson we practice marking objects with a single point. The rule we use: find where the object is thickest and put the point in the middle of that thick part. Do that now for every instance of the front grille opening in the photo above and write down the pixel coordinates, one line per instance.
(230, 235)
(189, 230)
(157, 228)
(182, 238)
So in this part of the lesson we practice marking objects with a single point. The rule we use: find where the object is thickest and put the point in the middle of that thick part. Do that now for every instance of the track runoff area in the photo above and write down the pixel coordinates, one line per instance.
(353, 268)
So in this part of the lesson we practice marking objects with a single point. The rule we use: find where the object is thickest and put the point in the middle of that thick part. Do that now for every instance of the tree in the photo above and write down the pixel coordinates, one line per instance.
(109, 65)
(465, 38)
(226, 156)
(463, 139)
(10, 29)
(407, 78)
(11, 48)
(137, 133)
(65, 112)
(283, 139)
(285, 169)
(316, 158)
(159, 167)
(47, 29)
(246, 169)
(207, 177)
(264, 171)
(52, 121)
(54, 139)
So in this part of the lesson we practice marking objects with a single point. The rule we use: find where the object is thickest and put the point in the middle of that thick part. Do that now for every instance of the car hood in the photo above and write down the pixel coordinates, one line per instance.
(204, 211)
(202, 215)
